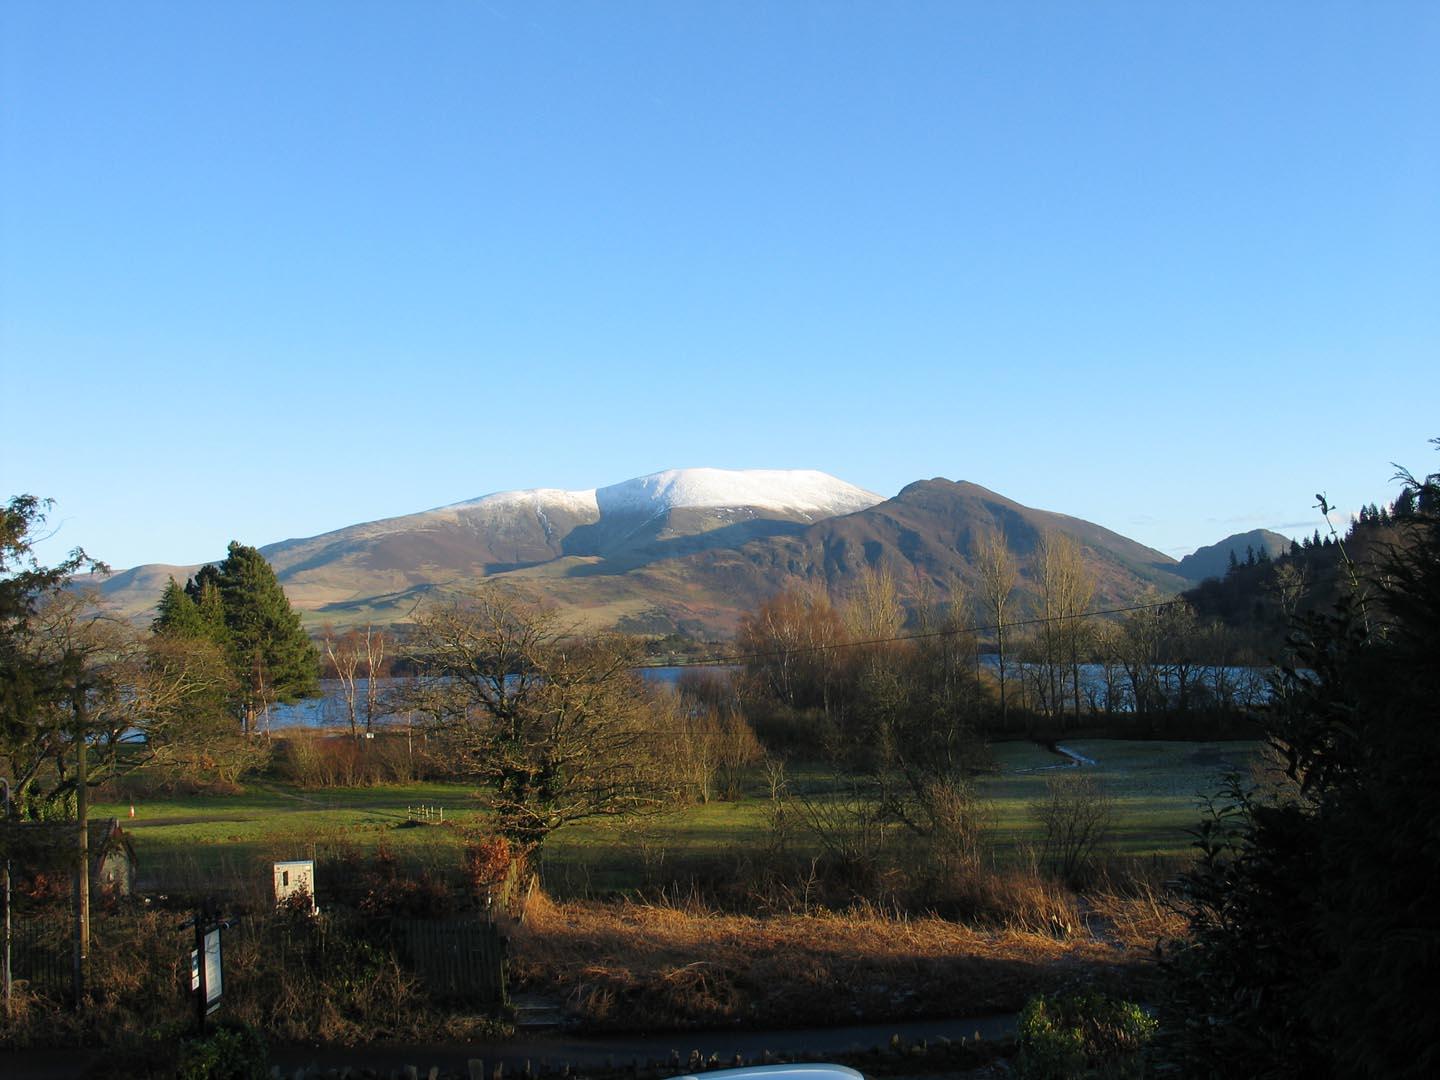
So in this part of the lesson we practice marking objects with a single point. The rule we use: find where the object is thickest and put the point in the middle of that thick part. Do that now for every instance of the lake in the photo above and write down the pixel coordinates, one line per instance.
(1101, 688)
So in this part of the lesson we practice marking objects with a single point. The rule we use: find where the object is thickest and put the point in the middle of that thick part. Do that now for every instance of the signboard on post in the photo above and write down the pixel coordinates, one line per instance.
(207, 966)
(295, 878)
(214, 971)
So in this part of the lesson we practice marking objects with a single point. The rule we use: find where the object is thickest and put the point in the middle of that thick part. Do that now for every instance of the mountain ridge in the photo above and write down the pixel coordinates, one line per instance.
(1213, 560)
(688, 550)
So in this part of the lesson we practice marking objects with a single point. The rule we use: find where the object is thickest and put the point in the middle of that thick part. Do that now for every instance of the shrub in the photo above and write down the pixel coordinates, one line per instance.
(390, 889)
(1312, 909)
(1076, 816)
(229, 1052)
(1081, 1034)
(234, 1052)
(323, 759)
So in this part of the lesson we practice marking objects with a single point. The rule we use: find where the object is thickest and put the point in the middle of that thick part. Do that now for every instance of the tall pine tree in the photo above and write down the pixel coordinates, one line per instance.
(271, 655)
(177, 615)
(240, 607)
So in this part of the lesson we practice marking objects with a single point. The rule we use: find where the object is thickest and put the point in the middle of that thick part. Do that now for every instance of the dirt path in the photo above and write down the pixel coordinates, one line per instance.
(1075, 756)
(304, 804)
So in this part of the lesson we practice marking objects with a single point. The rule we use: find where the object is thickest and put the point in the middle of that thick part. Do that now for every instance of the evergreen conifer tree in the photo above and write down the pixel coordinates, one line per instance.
(177, 614)
(212, 614)
(208, 574)
(269, 652)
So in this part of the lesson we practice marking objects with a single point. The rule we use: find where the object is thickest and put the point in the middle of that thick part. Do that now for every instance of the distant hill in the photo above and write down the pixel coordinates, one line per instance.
(686, 551)
(1212, 561)
(926, 532)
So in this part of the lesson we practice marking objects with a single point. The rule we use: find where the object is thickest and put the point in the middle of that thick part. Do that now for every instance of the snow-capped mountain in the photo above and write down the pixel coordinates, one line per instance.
(692, 550)
(545, 532)
(798, 492)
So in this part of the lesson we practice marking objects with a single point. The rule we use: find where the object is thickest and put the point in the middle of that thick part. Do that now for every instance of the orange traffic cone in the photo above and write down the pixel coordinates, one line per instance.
(132, 809)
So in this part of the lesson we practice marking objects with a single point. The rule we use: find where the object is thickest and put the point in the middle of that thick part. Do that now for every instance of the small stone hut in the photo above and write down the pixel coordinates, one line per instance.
(37, 846)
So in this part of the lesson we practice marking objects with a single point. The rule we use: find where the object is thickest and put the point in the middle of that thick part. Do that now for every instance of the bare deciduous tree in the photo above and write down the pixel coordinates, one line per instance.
(874, 611)
(1065, 589)
(1076, 814)
(556, 725)
(789, 647)
(998, 575)
(354, 656)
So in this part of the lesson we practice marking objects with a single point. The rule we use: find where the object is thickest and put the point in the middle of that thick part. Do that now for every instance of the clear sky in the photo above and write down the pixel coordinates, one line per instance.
(272, 269)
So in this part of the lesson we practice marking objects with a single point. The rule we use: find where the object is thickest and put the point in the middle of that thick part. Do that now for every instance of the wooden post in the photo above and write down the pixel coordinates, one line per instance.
(5, 899)
(200, 993)
(81, 953)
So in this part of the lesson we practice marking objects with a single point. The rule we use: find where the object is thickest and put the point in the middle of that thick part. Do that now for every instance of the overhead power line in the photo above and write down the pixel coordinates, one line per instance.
(949, 631)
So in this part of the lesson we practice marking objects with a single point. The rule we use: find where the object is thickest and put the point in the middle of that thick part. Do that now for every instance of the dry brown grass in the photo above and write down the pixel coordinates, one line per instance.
(293, 978)
(649, 966)
(1138, 919)
(1132, 905)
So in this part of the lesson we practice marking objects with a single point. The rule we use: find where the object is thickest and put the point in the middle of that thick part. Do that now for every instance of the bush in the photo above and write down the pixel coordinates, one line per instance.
(234, 1052)
(229, 1052)
(1077, 815)
(1081, 1034)
(1313, 908)
(322, 759)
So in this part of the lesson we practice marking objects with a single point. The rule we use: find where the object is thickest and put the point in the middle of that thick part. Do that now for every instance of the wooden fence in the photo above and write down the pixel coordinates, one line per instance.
(457, 958)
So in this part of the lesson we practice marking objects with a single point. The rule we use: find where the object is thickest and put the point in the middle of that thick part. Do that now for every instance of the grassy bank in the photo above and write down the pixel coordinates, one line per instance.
(673, 966)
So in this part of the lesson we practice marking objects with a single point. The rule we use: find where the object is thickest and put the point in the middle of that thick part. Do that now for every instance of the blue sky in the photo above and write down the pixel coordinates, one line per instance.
(272, 269)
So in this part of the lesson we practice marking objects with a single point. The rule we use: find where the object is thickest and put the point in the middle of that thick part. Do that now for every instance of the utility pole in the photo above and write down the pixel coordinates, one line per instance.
(5, 887)
(82, 866)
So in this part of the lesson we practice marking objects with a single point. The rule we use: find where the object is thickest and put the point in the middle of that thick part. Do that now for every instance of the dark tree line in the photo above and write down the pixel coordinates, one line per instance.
(1316, 927)
(1259, 595)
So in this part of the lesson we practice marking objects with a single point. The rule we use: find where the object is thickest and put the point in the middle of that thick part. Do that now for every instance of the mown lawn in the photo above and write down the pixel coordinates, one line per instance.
(208, 841)
(1158, 788)
(225, 840)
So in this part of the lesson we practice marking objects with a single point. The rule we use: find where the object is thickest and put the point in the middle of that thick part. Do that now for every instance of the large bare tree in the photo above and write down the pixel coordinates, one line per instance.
(1065, 587)
(556, 725)
(790, 647)
(998, 575)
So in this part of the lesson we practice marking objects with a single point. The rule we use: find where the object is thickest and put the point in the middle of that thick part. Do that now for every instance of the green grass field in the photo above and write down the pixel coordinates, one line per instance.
(1158, 787)
(188, 842)
(199, 841)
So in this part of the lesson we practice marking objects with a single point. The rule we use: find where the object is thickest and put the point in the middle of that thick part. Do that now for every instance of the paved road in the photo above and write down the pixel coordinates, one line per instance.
(557, 1047)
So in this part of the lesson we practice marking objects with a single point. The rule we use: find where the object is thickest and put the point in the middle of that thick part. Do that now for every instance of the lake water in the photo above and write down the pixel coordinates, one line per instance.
(1100, 690)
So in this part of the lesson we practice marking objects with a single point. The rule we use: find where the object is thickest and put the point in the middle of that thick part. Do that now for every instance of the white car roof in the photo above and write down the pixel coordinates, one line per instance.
(798, 1071)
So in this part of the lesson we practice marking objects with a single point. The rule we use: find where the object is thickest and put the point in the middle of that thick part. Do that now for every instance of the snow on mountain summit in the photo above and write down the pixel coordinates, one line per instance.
(794, 491)
(805, 492)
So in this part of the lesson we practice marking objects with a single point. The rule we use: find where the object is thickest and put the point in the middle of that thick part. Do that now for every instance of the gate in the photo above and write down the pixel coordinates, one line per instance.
(462, 958)
(41, 955)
